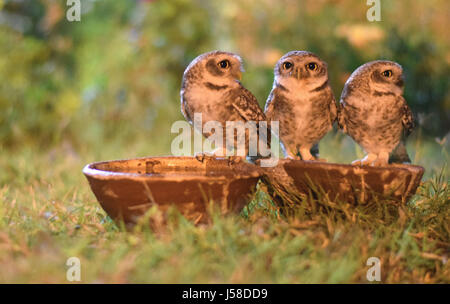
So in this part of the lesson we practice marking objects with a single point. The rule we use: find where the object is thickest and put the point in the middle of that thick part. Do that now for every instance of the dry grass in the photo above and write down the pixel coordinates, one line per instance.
(48, 214)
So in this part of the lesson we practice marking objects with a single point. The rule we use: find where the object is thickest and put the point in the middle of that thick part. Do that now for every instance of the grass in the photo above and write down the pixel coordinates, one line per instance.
(48, 214)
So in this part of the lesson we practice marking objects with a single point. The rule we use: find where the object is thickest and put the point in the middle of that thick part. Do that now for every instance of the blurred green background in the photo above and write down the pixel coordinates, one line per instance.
(111, 81)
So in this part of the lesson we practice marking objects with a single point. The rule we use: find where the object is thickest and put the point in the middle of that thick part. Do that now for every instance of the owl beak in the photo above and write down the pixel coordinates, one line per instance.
(297, 73)
(400, 82)
(239, 75)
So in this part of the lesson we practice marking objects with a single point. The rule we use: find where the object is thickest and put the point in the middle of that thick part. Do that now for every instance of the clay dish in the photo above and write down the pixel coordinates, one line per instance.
(355, 184)
(126, 189)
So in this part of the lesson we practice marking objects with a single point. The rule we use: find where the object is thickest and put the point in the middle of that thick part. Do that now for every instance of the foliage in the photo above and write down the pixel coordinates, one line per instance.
(120, 68)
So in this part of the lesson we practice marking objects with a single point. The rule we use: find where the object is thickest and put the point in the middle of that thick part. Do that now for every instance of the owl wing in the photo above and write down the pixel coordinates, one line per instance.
(399, 155)
(333, 109)
(184, 111)
(268, 108)
(341, 113)
(341, 119)
(247, 106)
(407, 117)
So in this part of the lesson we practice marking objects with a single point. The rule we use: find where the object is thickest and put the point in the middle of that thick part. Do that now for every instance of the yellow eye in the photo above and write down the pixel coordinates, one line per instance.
(287, 65)
(312, 66)
(387, 73)
(224, 64)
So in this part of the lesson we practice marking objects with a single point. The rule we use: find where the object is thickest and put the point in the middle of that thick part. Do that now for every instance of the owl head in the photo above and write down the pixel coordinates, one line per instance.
(217, 68)
(301, 68)
(380, 77)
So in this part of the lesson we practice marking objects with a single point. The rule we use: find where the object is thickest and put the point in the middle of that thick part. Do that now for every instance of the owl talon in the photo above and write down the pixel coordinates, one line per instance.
(382, 159)
(203, 155)
(360, 162)
(306, 154)
(368, 160)
(234, 160)
(200, 157)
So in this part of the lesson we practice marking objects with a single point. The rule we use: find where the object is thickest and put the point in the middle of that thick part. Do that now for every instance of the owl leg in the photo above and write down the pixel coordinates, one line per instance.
(217, 152)
(366, 161)
(288, 154)
(306, 154)
(289, 151)
(382, 159)
(231, 148)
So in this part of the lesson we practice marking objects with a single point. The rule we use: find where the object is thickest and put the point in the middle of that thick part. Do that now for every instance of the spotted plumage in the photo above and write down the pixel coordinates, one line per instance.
(373, 111)
(211, 87)
(303, 103)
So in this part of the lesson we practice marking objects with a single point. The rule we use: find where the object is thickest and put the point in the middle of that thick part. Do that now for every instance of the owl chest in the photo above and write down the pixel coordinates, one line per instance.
(375, 125)
(375, 116)
(301, 120)
(310, 114)
(212, 105)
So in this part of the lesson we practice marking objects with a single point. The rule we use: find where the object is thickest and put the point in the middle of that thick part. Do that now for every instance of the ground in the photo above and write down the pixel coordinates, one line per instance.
(48, 214)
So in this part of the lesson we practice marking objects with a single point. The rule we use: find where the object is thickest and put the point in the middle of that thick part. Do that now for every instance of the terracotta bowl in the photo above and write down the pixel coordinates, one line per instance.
(355, 184)
(126, 189)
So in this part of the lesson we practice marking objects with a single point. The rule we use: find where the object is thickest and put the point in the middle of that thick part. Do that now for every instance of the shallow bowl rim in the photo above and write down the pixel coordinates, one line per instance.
(350, 166)
(89, 170)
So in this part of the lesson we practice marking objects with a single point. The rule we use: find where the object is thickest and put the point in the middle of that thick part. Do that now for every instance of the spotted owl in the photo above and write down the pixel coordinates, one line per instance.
(303, 103)
(211, 86)
(373, 111)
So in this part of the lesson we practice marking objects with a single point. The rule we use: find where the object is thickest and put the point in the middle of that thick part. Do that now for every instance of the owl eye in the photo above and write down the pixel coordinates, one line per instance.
(224, 64)
(387, 73)
(287, 65)
(312, 66)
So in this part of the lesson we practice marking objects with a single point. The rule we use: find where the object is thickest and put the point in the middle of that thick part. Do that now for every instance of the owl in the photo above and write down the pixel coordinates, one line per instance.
(211, 86)
(373, 111)
(303, 103)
